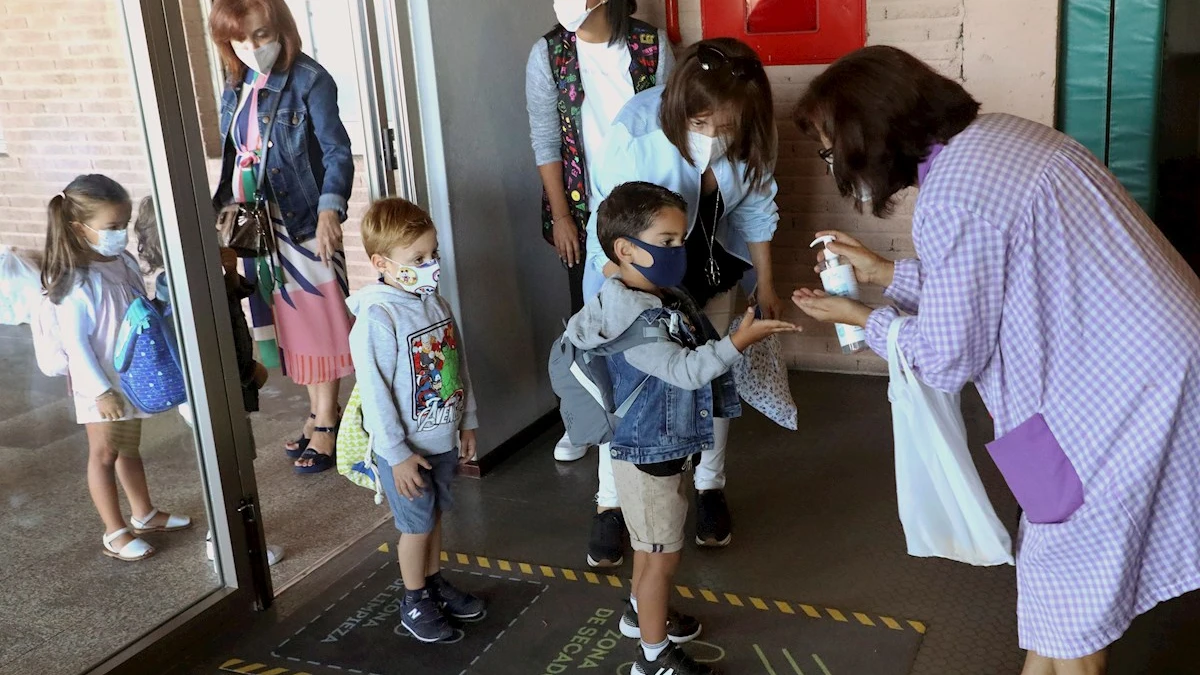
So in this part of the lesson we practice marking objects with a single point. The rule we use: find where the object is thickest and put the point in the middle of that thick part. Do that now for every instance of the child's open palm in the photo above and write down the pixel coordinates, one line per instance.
(753, 331)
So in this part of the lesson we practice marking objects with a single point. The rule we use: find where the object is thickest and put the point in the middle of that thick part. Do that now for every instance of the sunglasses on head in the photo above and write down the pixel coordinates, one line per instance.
(713, 60)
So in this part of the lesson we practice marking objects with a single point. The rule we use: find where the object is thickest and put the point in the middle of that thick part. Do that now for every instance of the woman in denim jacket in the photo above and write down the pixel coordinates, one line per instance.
(299, 311)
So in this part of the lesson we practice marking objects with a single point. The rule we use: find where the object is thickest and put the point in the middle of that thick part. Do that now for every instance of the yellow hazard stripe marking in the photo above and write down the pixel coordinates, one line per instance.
(254, 668)
(716, 597)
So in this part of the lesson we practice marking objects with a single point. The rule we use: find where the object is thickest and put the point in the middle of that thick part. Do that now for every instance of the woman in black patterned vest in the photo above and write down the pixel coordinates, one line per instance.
(596, 47)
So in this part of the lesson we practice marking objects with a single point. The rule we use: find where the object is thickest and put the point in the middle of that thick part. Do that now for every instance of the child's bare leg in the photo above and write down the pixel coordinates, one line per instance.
(102, 484)
(652, 588)
(1036, 664)
(433, 563)
(413, 553)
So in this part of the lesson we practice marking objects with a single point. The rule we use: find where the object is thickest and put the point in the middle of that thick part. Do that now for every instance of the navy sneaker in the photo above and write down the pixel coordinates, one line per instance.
(672, 661)
(681, 628)
(606, 547)
(455, 602)
(714, 527)
(425, 620)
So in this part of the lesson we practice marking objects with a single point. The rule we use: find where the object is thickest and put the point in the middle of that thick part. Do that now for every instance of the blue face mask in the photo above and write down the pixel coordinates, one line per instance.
(670, 264)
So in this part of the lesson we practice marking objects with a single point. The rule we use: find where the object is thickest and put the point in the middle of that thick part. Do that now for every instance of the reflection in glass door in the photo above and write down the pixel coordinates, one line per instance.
(110, 490)
(296, 314)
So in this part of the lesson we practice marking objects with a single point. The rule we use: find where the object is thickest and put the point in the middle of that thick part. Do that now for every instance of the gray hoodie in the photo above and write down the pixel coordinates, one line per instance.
(615, 309)
(412, 375)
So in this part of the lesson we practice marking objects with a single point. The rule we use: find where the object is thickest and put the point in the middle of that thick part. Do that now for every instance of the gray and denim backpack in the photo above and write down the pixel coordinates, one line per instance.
(581, 382)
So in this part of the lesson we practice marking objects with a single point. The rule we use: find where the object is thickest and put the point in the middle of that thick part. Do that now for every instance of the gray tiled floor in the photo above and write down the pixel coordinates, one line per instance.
(64, 606)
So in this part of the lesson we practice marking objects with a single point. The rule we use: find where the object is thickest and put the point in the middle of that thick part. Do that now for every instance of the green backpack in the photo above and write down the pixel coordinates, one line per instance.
(354, 457)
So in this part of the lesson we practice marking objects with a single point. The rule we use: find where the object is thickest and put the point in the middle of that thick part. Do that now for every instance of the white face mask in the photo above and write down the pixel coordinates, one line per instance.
(572, 13)
(259, 60)
(421, 280)
(109, 243)
(705, 149)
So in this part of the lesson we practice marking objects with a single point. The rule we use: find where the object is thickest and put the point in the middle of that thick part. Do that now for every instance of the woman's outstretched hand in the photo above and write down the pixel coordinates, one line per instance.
(831, 309)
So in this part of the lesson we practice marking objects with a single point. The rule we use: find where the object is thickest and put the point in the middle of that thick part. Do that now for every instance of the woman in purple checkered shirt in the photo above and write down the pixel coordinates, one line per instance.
(1039, 279)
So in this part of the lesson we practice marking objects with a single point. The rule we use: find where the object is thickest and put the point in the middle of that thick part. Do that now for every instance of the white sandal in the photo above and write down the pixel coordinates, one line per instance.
(136, 549)
(174, 522)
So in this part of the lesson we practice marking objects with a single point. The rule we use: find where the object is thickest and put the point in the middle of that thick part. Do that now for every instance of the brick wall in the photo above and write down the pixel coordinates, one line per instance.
(68, 106)
(962, 39)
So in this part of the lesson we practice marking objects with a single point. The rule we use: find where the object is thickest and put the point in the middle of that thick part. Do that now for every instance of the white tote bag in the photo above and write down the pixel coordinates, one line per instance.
(943, 507)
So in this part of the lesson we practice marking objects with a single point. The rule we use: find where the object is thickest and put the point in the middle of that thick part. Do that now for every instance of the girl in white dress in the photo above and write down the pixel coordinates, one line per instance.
(90, 279)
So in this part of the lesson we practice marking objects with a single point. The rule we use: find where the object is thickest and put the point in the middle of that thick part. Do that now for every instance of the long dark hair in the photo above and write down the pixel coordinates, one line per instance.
(620, 20)
(693, 91)
(67, 252)
(882, 109)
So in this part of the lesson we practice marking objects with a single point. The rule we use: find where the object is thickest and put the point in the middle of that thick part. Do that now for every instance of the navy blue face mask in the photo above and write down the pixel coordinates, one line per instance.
(670, 264)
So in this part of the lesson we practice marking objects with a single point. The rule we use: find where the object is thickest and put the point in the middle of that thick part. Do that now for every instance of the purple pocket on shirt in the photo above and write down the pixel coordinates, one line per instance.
(1038, 472)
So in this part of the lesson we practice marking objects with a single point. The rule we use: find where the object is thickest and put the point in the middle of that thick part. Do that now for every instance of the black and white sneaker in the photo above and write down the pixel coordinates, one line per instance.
(681, 628)
(424, 619)
(456, 603)
(672, 661)
(606, 547)
(714, 528)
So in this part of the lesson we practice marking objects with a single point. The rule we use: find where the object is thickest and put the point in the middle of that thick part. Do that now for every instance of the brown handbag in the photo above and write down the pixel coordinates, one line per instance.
(248, 231)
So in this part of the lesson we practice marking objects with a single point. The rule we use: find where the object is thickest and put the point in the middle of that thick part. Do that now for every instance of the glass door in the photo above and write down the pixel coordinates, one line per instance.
(133, 91)
(130, 505)
(299, 326)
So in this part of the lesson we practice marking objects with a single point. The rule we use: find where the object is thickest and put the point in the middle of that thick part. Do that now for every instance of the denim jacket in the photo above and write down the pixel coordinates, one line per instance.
(310, 168)
(686, 378)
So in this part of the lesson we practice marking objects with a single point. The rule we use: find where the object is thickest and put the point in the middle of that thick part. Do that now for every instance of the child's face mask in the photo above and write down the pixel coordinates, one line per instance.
(109, 243)
(420, 280)
(670, 264)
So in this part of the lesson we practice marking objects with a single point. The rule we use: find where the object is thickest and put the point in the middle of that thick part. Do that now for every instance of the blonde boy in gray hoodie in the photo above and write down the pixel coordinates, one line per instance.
(417, 405)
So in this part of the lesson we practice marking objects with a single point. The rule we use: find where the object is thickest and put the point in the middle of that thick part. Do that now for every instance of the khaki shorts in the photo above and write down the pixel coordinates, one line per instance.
(654, 508)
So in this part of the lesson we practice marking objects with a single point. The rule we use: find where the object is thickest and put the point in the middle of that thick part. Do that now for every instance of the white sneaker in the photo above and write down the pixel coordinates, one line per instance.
(274, 553)
(565, 451)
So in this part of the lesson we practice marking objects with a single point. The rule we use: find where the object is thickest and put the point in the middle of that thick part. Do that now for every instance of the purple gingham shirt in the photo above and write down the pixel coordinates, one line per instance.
(1041, 281)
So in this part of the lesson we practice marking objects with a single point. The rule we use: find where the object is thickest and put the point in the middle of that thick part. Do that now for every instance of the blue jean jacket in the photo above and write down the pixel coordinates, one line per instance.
(665, 421)
(310, 168)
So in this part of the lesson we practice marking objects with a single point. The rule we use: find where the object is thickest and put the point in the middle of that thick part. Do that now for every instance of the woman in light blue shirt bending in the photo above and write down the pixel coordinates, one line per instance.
(708, 134)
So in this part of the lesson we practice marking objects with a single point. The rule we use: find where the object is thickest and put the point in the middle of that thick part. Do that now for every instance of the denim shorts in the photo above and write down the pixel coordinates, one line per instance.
(419, 515)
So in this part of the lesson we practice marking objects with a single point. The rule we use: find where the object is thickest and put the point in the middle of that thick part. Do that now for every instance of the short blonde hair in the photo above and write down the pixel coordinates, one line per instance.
(393, 222)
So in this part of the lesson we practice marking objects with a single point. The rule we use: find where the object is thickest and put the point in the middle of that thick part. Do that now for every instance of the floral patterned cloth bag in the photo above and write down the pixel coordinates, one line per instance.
(762, 380)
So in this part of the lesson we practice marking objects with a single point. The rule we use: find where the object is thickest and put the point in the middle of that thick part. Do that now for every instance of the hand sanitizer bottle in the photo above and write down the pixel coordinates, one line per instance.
(837, 275)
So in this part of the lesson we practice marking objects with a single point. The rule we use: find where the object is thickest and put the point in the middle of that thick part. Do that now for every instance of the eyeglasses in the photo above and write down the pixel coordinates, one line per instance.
(826, 154)
(742, 67)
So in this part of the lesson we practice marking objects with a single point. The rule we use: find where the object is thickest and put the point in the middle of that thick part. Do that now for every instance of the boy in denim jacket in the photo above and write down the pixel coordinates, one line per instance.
(682, 383)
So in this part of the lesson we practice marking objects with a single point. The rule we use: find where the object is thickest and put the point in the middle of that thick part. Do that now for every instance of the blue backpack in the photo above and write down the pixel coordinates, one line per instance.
(147, 358)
